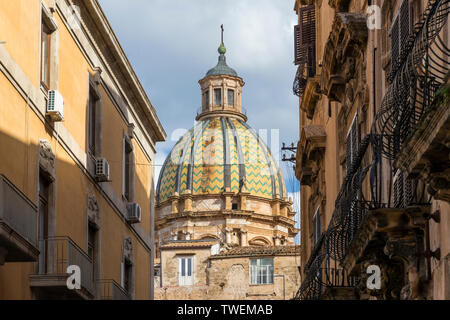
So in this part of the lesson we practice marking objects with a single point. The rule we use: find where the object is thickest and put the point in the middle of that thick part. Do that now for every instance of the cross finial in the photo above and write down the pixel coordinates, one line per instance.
(221, 27)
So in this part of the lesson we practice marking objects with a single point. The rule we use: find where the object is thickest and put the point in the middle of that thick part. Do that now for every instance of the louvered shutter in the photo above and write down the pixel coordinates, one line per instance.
(305, 38)
(395, 44)
(353, 139)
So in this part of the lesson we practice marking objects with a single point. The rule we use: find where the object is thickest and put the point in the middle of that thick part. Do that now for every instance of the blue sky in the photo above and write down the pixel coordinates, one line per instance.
(173, 43)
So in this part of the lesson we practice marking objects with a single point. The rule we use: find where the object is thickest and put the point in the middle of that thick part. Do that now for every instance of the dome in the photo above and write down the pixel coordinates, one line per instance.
(217, 154)
(222, 68)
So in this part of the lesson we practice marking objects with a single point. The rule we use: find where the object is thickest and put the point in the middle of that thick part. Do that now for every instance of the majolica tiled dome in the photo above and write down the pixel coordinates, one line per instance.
(217, 154)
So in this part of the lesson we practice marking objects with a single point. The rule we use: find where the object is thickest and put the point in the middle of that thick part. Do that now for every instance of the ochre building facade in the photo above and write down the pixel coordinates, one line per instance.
(373, 153)
(77, 134)
(224, 223)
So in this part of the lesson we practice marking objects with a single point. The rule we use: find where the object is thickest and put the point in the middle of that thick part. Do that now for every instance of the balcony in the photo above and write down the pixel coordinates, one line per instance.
(111, 290)
(310, 151)
(57, 255)
(18, 225)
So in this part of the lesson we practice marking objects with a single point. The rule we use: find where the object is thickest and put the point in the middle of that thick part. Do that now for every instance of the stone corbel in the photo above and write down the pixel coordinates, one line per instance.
(93, 211)
(311, 96)
(47, 158)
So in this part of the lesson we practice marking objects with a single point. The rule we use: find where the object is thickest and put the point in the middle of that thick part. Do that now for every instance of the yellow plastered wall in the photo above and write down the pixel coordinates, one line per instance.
(21, 129)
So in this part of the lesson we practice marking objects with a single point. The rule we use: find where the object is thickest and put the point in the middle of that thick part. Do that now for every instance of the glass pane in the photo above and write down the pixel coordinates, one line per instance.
(183, 267)
(231, 97)
(189, 271)
(218, 96)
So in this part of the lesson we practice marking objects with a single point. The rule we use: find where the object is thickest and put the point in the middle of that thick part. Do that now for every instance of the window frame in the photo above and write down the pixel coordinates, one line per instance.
(186, 263)
(218, 103)
(256, 274)
(230, 93)
(45, 63)
(317, 226)
(128, 169)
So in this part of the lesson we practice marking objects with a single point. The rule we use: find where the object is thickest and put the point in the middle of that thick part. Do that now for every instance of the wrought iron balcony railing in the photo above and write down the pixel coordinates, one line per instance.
(418, 76)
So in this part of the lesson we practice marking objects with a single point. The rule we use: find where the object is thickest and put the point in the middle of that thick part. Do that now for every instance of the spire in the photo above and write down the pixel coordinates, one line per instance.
(222, 50)
(222, 68)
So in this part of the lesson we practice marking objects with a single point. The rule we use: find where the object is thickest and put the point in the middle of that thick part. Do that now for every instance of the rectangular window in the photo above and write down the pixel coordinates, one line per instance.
(128, 168)
(401, 28)
(317, 226)
(45, 56)
(352, 143)
(44, 187)
(230, 97)
(186, 271)
(261, 271)
(92, 117)
(218, 97)
(127, 275)
(92, 244)
(207, 98)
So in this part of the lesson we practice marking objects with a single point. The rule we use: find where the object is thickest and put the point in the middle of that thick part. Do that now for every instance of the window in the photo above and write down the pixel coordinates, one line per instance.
(45, 56)
(317, 228)
(400, 30)
(230, 97)
(127, 276)
(234, 206)
(305, 40)
(92, 247)
(128, 170)
(44, 187)
(206, 97)
(218, 96)
(186, 271)
(353, 140)
(93, 129)
(261, 271)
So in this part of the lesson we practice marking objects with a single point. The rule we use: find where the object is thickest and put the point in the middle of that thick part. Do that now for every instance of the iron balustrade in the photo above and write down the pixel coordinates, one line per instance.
(19, 213)
(417, 75)
(415, 78)
(111, 290)
(62, 252)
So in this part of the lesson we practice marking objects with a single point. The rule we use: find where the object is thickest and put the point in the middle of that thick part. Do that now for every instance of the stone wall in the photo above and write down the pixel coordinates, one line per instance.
(227, 278)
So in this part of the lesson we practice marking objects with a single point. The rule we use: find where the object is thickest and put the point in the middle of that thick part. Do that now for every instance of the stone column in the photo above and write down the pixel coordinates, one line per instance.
(276, 206)
(244, 233)
(277, 240)
(174, 200)
(228, 196)
(228, 235)
(187, 196)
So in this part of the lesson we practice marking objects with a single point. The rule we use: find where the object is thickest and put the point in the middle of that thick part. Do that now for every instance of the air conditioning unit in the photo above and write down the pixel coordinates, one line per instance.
(101, 170)
(55, 106)
(134, 212)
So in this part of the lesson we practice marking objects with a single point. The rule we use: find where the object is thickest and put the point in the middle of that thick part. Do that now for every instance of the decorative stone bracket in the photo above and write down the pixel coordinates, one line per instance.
(310, 149)
(427, 153)
(343, 51)
(392, 239)
(311, 96)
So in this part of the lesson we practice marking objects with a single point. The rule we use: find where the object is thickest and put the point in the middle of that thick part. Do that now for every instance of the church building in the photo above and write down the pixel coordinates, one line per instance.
(224, 223)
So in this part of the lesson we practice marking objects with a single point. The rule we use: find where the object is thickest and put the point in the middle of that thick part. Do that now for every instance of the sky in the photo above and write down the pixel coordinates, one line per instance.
(171, 44)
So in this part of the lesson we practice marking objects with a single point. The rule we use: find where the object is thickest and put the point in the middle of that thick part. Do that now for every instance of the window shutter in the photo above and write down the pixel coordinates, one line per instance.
(394, 44)
(305, 38)
(353, 139)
